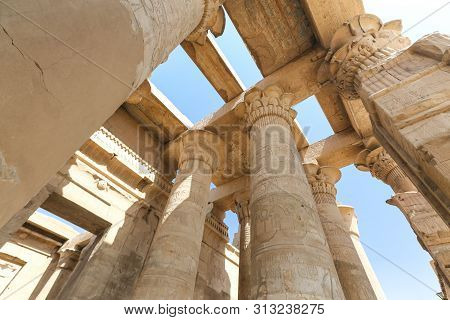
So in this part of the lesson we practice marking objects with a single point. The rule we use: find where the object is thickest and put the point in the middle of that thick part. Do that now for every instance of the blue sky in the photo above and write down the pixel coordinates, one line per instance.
(382, 226)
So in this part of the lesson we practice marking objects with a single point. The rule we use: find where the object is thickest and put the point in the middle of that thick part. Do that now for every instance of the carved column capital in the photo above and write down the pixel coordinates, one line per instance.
(242, 202)
(213, 19)
(322, 181)
(268, 106)
(201, 145)
(383, 167)
(359, 44)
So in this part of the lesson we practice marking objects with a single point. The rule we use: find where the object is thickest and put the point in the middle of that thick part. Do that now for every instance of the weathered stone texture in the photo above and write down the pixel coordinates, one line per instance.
(290, 255)
(172, 262)
(75, 74)
(352, 276)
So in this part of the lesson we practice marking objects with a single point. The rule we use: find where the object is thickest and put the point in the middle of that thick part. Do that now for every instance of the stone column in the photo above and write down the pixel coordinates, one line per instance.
(405, 89)
(73, 63)
(290, 255)
(433, 234)
(353, 278)
(351, 225)
(443, 281)
(242, 210)
(109, 268)
(381, 166)
(171, 267)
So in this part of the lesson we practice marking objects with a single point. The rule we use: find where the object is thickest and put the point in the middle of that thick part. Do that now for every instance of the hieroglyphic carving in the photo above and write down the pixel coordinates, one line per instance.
(171, 268)
(290, 257)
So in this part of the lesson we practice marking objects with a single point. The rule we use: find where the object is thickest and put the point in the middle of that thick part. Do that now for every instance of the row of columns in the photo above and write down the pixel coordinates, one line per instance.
(299, 246)
(285, 253)
(297, 243)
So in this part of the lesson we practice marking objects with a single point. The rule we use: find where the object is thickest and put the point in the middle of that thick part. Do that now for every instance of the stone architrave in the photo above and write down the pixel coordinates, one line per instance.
(351, 224)
(242, 209)
(23, 215)
(290, 255)
(171, 267)
(73, 63)
(354, 280)
(406, 90)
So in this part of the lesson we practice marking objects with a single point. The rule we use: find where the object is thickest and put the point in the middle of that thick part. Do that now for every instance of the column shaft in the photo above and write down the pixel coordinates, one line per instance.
(351, 223)
(109, 267)
(171, 267)
(432, 232)
(244, 249)
(290, 255)
(353, 278)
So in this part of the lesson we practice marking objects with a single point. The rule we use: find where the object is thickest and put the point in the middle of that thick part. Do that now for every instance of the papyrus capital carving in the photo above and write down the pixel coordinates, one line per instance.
(383, 167)
(359, 44)
(242, 202)
(322, 181)
(201, 145)
(213, 19)
(268, 105)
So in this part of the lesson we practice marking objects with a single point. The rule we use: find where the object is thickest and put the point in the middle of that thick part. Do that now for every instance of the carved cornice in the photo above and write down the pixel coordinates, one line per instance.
(322, 181)
(360, 44)
(130, 159)
(200, 145)
(268, 106)
(218, 226)
(213, 19)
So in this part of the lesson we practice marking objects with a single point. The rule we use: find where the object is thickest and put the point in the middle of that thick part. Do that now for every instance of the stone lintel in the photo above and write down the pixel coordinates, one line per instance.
(215, 67)
(338, 150)
(327, 16)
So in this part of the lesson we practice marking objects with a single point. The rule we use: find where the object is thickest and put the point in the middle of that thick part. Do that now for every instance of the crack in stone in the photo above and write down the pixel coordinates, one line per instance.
(12, 41)
(26, 56)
